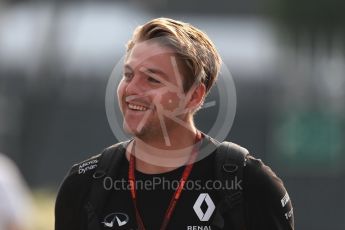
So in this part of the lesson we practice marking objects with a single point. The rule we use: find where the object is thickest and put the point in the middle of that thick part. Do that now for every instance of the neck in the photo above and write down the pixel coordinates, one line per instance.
(154, 156)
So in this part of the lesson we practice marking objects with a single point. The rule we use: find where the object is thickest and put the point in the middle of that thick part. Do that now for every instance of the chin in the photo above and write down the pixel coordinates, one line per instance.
(131, 130)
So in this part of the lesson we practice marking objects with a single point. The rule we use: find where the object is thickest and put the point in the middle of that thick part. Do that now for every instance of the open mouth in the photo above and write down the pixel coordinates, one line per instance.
(137, 107)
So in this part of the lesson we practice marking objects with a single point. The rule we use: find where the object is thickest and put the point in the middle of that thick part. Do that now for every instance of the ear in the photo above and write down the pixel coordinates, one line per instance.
(197, 96)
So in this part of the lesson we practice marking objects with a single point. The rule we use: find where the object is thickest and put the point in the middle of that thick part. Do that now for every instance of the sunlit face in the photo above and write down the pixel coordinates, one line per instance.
(151, 92)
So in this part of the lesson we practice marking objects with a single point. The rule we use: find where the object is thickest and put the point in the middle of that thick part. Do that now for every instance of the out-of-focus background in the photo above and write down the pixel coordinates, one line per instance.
(287, 58)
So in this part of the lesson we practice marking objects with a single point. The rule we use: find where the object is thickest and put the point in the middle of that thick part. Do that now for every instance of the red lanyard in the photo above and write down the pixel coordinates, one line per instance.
(178, 191)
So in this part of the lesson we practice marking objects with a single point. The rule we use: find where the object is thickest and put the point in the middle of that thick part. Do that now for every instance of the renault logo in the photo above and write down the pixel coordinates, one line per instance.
(204, 215)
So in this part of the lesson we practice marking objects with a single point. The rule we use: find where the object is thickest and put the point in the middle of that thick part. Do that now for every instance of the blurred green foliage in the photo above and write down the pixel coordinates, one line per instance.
(313, 17)
(307, 141)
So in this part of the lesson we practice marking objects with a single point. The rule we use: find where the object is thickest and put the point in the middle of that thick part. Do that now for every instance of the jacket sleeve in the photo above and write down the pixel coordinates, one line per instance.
(267, 203)
(68, 203)
(70, 212)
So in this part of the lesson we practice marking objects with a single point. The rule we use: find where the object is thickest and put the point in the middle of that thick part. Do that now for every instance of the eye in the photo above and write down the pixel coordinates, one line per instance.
(153, 79)
(127, 75)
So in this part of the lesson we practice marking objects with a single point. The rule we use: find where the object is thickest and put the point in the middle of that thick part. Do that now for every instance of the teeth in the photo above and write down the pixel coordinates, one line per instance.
(137, 107)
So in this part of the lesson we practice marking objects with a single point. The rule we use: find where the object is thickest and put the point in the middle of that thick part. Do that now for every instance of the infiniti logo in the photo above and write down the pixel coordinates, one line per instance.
(204, 216)
(120, 218)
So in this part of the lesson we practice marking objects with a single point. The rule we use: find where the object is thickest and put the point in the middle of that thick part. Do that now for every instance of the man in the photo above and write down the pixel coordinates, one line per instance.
(164, 177)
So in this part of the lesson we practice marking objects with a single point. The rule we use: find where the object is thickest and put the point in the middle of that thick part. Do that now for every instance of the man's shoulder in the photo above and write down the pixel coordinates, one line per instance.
(266, 191)
(259, 174)
(81, 174)
(254, 168)
(258, 178)
(89, 165)
(85, 166)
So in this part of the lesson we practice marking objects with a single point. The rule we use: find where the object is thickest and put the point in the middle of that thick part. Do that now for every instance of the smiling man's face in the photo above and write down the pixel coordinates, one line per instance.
(151, 90)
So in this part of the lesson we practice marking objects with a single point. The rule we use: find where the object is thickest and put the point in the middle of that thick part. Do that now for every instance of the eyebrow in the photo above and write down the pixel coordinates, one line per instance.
(156, 72)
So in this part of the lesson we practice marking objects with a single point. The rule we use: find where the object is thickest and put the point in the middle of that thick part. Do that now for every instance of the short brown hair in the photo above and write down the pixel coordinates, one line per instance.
(191, 44)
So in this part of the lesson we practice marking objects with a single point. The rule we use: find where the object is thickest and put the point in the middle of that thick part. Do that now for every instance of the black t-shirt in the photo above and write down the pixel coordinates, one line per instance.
(154, 192)
(266, 202)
